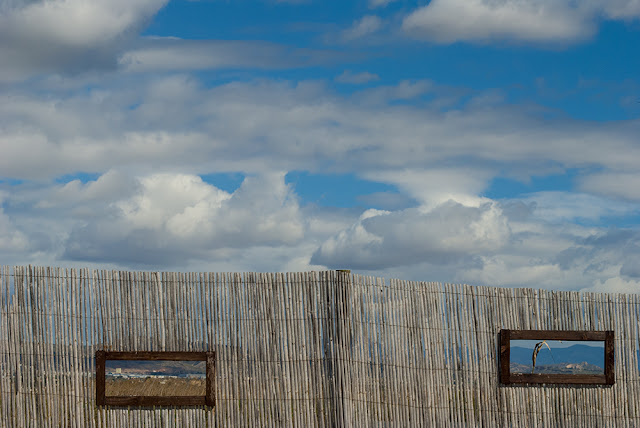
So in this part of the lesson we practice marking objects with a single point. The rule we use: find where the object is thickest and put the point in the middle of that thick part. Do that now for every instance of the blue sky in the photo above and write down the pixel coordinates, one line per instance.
(490, 142)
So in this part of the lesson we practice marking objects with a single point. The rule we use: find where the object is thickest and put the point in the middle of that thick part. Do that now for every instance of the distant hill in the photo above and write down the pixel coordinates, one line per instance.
(571, 354)
(573, 359)
(167, 368)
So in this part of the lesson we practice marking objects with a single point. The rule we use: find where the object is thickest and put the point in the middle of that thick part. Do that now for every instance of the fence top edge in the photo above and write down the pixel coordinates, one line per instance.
(89, 273)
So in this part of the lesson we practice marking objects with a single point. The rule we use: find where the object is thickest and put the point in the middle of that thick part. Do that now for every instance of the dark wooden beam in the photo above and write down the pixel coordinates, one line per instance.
(609, 358)
(557, 335)
(197, 400)
(156, 356)
(210, 395)
(508, 378)
(505, 355)
(204, 400)
(100, 378)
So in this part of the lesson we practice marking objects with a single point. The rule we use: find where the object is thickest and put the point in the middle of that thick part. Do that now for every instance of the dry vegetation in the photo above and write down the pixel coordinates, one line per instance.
(154, 386)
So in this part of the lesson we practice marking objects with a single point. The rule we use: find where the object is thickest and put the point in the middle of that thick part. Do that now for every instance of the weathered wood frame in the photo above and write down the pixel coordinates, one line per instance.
(508, 378)
(196, 400)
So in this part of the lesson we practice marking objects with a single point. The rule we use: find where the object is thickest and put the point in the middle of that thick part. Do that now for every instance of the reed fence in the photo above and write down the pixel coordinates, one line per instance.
(302, 349)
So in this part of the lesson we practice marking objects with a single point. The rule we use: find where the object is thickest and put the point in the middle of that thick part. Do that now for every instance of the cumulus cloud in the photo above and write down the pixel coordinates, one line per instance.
(509, 271)
(163, 130)
(175, 217)
(108, 187)
(11, 240)
(154, 210)
(163, 221)
(616, 9)
(365, 26)
(178, 124)
(76, 22)
(446, 234)
(435, 186)
(76, 36)
(614, 285)
(67, 35)
(549, 249)
(158, 221)
(546, 21)
(513, 243)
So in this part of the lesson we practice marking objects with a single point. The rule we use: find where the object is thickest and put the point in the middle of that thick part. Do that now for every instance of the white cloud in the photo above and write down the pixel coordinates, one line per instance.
(616, 9)
(178, 217)
(76, 22)
(510, 271)
(67, 35)
(564, 206)
(379, 3)
(155, 54)
(365, 26)
(163, 221)
(387, 200)
(614, 285)
(338, 250)
(356, 78)
(537, 21)
(446, 234)
(11, 240)
(404, 90)
(161, 132)
(178, 124)
(435, 186)
(108, 187)
(624, 185)
(159, 221)
(512, 243)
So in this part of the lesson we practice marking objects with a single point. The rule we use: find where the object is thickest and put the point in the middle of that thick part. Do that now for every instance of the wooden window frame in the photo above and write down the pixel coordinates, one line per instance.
(508, 378)
(150, 400)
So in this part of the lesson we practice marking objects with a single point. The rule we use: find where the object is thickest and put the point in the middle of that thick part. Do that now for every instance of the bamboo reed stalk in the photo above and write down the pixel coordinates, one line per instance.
(301, 349)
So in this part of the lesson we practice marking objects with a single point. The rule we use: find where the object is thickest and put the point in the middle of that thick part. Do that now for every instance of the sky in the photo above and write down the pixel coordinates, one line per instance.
(486, 142)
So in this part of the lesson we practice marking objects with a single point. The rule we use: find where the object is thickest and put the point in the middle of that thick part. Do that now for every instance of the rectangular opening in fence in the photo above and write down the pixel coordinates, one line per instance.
(155, 378)
(560, 357)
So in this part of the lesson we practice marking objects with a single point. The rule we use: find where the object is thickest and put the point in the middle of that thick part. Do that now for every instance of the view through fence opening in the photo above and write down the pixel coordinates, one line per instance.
(301, 349)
